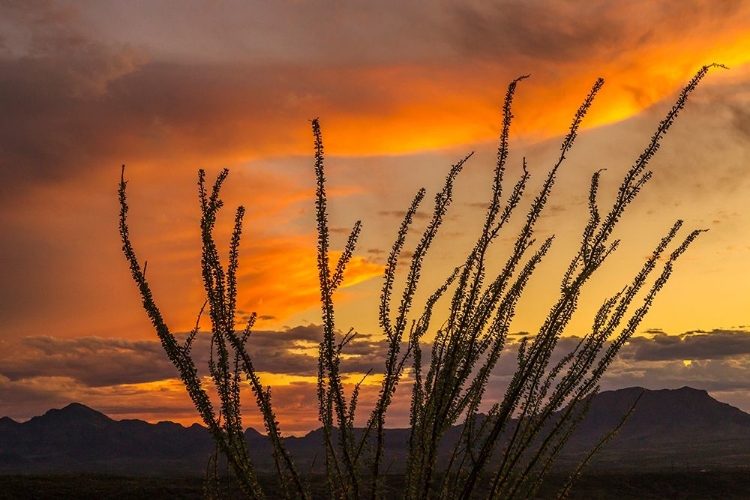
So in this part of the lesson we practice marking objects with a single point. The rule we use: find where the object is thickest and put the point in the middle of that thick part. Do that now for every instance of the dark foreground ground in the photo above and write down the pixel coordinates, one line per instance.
(734, 484)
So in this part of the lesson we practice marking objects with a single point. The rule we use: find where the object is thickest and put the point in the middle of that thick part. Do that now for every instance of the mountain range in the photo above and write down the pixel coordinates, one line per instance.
(668, 429)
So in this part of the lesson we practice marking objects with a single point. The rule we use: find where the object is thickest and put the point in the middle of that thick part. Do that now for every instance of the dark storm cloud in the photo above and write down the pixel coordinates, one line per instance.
(110, 105)
(536, 30)
(93, 361)
(55, 121)
(540, 30)
(72, 105)
(720, 361)
(99, 362)
(723, 374)
(52, 132)
(715, 345)
(717, 360)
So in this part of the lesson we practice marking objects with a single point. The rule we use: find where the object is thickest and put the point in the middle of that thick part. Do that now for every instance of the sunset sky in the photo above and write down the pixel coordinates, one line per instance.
(403, 90)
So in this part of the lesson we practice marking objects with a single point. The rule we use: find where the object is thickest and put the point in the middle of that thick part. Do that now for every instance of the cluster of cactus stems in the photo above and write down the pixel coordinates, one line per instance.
(502, 453)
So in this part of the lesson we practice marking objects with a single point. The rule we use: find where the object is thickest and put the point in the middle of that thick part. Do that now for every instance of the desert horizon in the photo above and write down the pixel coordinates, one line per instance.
(466, 220)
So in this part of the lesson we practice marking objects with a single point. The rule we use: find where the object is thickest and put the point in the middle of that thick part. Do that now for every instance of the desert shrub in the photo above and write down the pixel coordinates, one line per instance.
(503, 453)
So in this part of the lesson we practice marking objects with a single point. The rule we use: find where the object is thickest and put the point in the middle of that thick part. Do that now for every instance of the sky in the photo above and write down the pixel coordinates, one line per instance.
(403, 90)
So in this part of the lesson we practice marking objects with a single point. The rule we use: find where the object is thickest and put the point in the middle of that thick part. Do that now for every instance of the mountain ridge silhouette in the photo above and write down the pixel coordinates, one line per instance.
(667, 427)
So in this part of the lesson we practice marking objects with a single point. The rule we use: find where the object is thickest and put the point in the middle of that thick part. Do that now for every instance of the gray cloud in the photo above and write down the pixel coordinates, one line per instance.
(113, 101)
(719, 363)
(698, 345)
(99, 362)
(554, 31)
(73, 103)
(536, 30)
(93, 361)
(729, 375)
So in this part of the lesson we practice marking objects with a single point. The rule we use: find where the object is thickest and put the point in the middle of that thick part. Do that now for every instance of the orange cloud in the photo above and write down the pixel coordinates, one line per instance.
(280, 277)
(138, 108)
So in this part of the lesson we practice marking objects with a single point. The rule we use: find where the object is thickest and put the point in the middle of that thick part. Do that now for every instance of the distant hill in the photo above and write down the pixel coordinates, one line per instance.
(77, 438)
(668, 429)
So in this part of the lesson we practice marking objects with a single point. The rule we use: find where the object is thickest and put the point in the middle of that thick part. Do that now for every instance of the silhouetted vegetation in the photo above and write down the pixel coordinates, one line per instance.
(523, 433)
(680, 484)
